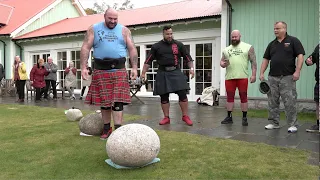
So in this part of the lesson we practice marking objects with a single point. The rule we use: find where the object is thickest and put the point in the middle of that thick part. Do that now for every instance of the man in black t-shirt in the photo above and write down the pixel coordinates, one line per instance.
(170, 79)
(282, 53)
(314, 59)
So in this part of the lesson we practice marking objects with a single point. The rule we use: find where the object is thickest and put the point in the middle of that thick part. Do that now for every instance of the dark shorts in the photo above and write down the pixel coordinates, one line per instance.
(316, 92)
(109, 87)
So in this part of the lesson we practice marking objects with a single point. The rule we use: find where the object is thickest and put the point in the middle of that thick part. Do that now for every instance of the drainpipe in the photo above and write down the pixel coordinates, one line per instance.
(20, 49)
(230, 18)
(4, 54)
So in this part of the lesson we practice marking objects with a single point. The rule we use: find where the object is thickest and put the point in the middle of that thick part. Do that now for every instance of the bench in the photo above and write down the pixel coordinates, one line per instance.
(32, 90)
(7, 88)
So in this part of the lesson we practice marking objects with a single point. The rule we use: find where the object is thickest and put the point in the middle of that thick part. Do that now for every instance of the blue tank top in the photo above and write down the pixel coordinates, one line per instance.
(108, 43)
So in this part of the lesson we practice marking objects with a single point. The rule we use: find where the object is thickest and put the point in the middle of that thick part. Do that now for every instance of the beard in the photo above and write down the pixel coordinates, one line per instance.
(111, 25)
(235, 42)
(168, 41)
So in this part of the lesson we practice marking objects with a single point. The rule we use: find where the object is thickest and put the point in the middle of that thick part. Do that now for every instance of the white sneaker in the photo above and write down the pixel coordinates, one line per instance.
(272, 126)
(292, 129)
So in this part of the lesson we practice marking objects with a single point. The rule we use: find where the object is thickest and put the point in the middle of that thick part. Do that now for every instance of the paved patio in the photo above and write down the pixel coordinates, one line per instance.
(207, 122)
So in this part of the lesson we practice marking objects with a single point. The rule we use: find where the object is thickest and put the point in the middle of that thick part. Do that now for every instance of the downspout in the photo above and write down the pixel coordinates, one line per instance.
(4, 53)
(20, 54)
(230, 19)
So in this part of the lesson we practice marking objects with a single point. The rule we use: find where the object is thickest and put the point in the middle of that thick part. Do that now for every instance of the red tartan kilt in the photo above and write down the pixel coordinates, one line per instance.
(109, 87)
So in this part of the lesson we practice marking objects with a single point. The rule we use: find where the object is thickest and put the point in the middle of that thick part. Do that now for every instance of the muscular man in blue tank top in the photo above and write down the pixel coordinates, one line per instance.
(109, 88)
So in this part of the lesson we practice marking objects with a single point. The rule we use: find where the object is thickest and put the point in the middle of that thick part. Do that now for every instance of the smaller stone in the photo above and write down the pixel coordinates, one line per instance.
(91, 124)
(74, 114)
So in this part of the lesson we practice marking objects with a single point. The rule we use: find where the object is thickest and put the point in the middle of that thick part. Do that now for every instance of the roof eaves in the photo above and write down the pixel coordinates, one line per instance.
(77, 33)
(184, 20)
(52, 36)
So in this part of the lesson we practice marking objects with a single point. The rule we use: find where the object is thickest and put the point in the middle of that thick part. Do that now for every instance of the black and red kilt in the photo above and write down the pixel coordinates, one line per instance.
(108, 87)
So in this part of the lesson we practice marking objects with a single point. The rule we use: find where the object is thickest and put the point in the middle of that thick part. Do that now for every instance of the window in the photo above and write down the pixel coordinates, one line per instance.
(35, 58)
(203, 67)
(152, 73)
(62, 65)
(75, 58)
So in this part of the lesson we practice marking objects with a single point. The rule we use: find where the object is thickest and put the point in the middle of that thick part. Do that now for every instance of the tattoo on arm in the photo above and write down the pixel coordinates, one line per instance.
(252, 58)
(132, 49)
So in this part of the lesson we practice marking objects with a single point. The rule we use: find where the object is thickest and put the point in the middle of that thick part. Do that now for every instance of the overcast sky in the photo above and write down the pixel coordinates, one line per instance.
(136, 3)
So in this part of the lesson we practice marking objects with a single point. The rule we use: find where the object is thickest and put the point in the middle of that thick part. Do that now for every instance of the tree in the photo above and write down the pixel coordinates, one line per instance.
(101, 8)
(90, 11)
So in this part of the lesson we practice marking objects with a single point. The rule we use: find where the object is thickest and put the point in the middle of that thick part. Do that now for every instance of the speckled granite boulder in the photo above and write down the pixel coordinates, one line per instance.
(91, 124)
(74, 114)
(133, 145)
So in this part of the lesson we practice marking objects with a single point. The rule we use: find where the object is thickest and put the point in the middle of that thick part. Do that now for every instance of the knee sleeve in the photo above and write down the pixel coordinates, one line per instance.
(243, 97)
(182, 96)
(118, 106)
(105, 108)
(230, 96)
(164, 98)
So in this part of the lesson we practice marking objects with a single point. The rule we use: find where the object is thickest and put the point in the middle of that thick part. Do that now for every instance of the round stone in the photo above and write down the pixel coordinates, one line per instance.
(74, 114)
(91, 124)
(133, 145)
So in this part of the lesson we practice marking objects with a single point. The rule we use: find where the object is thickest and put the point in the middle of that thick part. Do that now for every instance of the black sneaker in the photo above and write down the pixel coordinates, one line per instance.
(227, 120)
(244, 121)
(314, 128)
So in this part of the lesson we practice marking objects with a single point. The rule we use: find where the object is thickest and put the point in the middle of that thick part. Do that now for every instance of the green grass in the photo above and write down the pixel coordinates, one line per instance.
(257, 113)
(39, 143)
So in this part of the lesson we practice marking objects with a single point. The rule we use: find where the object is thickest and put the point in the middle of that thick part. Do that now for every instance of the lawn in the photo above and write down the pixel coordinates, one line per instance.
(39, 143)
(263, 113)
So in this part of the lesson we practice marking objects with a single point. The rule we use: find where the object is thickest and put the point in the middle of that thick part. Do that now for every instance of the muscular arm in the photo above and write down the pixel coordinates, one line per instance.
(86, 47)
(299, 63)
(264, 65)
(252, 58)
(133, 54)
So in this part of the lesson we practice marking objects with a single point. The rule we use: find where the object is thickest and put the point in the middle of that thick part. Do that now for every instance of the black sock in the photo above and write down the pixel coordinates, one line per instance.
(116, 126)
(244, 114)
(318, 122)
(106, 127)
(229, 114)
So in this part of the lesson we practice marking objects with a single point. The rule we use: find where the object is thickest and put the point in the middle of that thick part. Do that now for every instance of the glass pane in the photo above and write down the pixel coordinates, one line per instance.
(138, 50)
(187, 48)
(199, 63)
(64, 55)
(208, 49)
(207, 85)
(199, 88)
(64, 64)
(199, 75)
(199, 49)
(78, 84)
(77, 55)
(207, 63)
(73, 55)
(148, 46)
(207, 76)
(60, 65)
(78, 64)
(78, 74)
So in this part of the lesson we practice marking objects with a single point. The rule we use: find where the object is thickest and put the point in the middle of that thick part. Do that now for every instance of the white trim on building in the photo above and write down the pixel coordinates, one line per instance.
(209, 37)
